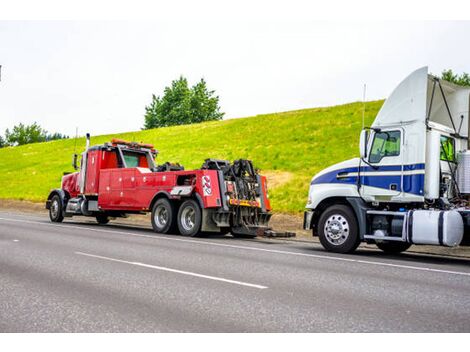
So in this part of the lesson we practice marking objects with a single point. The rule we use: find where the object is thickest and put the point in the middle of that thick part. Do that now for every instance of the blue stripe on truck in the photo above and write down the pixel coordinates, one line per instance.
(411, 183)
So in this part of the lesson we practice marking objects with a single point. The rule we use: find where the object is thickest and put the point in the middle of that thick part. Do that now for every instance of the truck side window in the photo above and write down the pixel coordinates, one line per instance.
(447, 149)
(386, 143)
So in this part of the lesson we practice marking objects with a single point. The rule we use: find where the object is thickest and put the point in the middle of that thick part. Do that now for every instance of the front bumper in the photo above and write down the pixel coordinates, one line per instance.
(308, 217)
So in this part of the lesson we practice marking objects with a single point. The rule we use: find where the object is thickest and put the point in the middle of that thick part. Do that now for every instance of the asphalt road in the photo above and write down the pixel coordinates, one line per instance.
(81, 277)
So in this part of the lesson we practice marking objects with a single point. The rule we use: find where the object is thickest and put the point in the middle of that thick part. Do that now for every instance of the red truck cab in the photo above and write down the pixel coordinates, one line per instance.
(120, 178)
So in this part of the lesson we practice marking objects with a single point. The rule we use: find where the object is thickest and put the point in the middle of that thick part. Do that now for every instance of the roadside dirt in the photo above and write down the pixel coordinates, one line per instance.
(277, 178)
(279, 222)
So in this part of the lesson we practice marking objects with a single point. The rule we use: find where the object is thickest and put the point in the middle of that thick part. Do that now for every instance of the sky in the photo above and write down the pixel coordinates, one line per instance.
(99, 75)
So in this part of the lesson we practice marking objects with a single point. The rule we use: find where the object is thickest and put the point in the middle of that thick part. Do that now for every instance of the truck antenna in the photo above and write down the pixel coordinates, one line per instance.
(75, 144)
(364, 106)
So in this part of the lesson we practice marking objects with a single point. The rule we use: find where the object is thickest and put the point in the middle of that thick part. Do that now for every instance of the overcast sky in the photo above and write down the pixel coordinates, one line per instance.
(100, 75)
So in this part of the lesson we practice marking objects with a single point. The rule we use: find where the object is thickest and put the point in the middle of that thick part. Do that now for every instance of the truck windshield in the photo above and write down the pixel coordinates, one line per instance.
(386, 143)
(447, 149)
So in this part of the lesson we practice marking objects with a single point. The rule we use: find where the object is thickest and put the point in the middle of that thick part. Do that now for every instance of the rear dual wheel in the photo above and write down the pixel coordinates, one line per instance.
(164, 216)
(187, 219)
(393, 247)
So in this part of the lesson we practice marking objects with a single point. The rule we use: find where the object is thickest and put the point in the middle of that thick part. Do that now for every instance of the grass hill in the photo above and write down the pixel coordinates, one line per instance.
(288, 147)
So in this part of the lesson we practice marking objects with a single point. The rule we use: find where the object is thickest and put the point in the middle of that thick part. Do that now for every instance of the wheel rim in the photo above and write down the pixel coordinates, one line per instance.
(188, 218)
(336, 229)
(55, 209)
(161, 216)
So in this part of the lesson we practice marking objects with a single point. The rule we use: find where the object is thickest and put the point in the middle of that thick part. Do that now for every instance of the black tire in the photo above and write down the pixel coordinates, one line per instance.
(56, 211)
(164, 216)
(224, 230)
(342, 236)
(102, 219)
(189, 218)
(393, 247)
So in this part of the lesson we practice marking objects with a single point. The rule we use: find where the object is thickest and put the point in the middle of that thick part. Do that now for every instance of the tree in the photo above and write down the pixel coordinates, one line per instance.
(2, 142)
(54, 136)
(25, 134)
(461, 80)
(182, 105)
(204, 105)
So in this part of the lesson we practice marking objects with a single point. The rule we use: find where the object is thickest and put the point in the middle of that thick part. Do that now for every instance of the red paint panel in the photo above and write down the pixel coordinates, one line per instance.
(208, 188)
(108, 160)
(70, 184)
(104, 198)
(264, 188)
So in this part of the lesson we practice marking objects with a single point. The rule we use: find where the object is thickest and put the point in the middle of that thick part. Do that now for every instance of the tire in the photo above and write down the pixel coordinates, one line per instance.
(393, 247)
(56, 211)
(338, 229)
(189, 218)
(102, 219)
(224, 230)
(164, 216)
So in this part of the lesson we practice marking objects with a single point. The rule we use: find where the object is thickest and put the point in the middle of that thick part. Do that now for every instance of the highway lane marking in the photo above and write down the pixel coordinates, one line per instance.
(162, 268)
(317, 256)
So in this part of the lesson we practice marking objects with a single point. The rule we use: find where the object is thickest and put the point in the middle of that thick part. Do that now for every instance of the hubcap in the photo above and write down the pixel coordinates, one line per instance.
(161, 216)
(188, 218)
(336, 229)
(55, 209)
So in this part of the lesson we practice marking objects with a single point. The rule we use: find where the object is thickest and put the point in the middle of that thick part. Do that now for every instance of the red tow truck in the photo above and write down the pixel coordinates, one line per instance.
(120, 178)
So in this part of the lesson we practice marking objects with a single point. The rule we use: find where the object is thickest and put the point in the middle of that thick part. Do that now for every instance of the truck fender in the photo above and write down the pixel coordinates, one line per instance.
(360, 209)
(198, 197)
(63, 195)
(158, 195)
(357, 204)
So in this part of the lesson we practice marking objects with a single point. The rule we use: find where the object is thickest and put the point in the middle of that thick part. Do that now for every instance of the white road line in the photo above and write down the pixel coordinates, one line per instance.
(201, 242)
(162, 268)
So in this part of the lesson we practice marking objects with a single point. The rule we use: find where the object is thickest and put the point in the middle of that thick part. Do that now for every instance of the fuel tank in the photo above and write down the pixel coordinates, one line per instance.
(437, 227)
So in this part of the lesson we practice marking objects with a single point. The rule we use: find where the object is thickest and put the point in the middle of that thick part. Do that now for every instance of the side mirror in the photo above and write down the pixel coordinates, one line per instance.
(364, 138)
(74, 162)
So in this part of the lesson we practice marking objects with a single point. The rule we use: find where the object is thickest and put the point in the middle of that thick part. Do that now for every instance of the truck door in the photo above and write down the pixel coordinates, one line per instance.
(383, 178)
(92, 172)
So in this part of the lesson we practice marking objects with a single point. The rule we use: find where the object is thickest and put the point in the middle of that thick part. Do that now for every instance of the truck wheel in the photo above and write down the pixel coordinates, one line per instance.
(163, 216)
(102, 219)
(56, 211)
(393, 247)
(189, 218)
(338, 230)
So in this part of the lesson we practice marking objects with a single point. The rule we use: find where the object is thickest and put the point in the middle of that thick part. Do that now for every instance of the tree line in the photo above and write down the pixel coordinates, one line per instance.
(25, 134)
(180, 104)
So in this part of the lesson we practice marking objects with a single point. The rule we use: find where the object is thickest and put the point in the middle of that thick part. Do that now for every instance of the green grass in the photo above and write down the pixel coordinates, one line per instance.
(300, 142)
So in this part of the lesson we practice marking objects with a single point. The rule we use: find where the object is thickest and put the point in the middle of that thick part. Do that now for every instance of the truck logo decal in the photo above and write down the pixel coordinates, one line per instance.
(206, 185)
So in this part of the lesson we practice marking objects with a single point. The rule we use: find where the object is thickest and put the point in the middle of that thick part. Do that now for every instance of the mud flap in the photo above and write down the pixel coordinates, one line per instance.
(208, 224)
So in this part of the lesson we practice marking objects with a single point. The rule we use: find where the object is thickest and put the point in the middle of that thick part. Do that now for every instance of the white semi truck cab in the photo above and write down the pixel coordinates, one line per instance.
(411, 183)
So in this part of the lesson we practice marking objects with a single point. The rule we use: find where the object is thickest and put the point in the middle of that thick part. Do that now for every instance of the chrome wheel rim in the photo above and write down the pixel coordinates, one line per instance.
(161, 216)
(55, 209)
(188, 218)
(336, 229)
